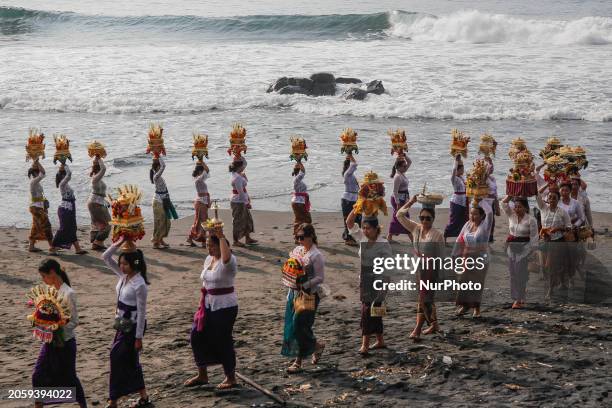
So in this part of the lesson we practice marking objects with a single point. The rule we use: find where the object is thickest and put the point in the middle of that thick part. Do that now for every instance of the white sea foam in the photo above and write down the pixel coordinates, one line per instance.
(476, 27)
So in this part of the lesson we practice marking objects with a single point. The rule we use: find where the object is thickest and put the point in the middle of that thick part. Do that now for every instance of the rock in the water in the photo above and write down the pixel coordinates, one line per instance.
(355, 93)
(375, 87)
(293, 89)
(323, 78)
(347, 80)
(286, 81)
(328, 89)
(323, 84)
(278, 85)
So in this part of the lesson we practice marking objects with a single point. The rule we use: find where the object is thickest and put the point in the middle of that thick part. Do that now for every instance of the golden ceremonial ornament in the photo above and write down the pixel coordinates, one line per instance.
(348, 138)
(371, 196)
(35, 148)
(213, 223)
(155, 140)
(127, 220)
(62, 149)
(298, 149)
(51, 312)
(459, 143)
(200, 146)
(96, 149)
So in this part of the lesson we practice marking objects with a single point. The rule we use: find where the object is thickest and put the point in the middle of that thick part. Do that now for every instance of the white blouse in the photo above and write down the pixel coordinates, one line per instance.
(351, 185)
(526, 227)
(479, 238)
(161, 190)
(70, 295)
(221, 276)
(66, 191)
(132, 292)
(312, 259)
(381, 249)
(201, 188)
(36, 191)
(458, 183)
(574, 210)
(458, 187)
(400, 187)
(557, 218)
(98, 187)
(299, 187)
(585, 203)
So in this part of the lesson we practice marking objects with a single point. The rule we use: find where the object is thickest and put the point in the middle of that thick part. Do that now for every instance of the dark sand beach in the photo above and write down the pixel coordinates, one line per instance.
(544, 355)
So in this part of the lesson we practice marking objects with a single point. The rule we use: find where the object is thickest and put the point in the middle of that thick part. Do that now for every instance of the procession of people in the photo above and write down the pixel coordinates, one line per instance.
(560, 230)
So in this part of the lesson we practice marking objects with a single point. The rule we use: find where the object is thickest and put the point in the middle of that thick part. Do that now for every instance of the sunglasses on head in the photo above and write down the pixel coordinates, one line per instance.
(425, 218)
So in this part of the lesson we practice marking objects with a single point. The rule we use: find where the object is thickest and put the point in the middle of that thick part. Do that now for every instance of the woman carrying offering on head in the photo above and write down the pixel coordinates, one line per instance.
(555, 223)
(428, 244)
(39, 206)
(66, 236)
(300, 201)
(97, 206)
(371, 246)
(473, 242)
(349, 197)
(201, 204)
(459, 203)
(126, 376)
(400, 194)
(211, 332)
(163, 209)
(241, 204)
(521, 242)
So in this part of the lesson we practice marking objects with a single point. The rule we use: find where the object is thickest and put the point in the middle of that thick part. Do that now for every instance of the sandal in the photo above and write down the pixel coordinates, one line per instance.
(142, 402)
(316, 356)
(294, 369)
(226, 386)
(194, 382)
(96, 247)
(377, 346)
(34, 249)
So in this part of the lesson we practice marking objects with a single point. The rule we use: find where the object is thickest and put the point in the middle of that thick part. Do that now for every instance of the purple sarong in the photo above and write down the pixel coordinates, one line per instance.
(395, 227)
(458, 218)
(66, 235)
(126, 375)
(56, 367)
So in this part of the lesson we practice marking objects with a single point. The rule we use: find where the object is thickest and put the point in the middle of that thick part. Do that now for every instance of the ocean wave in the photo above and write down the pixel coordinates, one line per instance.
(473, 26)
(470, 26)
(389, 108)
(282, 26)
